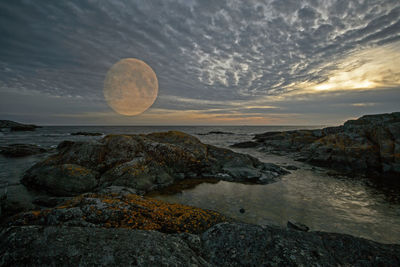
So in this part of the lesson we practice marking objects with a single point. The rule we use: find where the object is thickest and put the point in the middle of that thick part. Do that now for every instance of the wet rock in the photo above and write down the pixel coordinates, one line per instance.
(21, 150)
(247, 144)
(291, 167)
(87, 134)
(297, 226)
(144, 163)
(369, 145)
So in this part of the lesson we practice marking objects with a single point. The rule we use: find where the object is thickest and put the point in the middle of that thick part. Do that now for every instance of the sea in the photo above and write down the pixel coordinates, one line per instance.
(308, 195)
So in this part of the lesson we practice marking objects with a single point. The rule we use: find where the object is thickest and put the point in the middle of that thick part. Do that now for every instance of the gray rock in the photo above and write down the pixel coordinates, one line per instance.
(144, 163)
(291, 167)
(15, 126)
(61, 180)
(247, 144)
(103, 229)
(368, 146)
(84, 246)
(297, 226)
(225, 244)
(236, 244)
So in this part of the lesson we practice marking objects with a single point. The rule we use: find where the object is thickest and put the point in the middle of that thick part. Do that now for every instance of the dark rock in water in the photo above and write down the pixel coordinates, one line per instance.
(242, 210)
(216, 132)
(23, 128)
(15, 126)
(247, 144)
(369, 145)
(225, 244)
(21, 150)
(291, 167)
(48, 202)
(87, 134)
(297, 226)
(144, 163)
(219, 132)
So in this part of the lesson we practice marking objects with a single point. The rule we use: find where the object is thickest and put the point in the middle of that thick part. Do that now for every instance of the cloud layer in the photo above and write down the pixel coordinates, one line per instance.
(209, 56)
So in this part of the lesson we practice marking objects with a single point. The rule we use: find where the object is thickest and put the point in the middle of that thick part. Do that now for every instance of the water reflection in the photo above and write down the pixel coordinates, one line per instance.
(306, 195)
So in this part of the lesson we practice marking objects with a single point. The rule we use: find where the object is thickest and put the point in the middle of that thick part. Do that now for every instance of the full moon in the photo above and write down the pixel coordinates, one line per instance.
(130, 87)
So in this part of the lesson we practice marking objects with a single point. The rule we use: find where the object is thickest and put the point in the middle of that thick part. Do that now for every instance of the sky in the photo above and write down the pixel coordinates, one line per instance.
(225, 62)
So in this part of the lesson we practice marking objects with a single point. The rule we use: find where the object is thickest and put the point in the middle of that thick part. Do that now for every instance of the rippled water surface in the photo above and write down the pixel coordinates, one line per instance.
(307, 195)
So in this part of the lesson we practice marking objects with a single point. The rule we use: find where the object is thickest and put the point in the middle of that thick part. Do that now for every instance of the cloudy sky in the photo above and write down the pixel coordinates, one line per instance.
(281, 62)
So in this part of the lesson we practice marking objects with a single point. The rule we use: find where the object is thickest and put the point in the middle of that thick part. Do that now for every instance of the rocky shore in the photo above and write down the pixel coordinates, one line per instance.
(15, 126)
(93, 212)
(129, 230)
(369, 145)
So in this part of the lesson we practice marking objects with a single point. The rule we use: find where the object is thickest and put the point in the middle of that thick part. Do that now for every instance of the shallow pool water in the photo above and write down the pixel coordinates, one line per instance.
(307, 195)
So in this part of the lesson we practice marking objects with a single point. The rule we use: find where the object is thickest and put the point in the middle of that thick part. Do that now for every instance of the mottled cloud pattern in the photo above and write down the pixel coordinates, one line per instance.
(257, 61)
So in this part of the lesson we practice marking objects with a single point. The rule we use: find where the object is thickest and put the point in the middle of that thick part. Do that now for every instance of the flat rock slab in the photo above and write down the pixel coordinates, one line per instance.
(226, 244)
(83, 246)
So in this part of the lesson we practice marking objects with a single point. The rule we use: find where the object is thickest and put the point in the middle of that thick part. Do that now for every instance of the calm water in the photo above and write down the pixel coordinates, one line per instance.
(307, 195)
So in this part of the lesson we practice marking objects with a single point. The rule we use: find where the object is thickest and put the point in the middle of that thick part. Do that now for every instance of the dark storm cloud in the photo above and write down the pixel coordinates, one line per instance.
(204, 50)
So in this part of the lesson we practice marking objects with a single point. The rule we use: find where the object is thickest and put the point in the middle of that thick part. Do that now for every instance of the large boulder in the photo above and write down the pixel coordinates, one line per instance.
(143, 162)
(63, 179)
(369, 145)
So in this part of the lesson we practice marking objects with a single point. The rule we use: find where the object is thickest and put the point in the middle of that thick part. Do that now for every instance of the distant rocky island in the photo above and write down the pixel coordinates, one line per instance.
(95, 210)
(369, 145)
(15, 126)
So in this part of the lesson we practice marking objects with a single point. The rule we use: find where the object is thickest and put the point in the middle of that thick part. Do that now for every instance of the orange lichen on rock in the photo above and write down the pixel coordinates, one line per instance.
(126, 211)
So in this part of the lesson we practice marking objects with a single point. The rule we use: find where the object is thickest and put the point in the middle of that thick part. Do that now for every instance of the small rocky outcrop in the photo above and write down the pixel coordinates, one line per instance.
(143, 162)
(216, 132)
(116, 210)
(246, 144)
(87, 134)
(21, 150)
(15, 126)
(369, 145)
